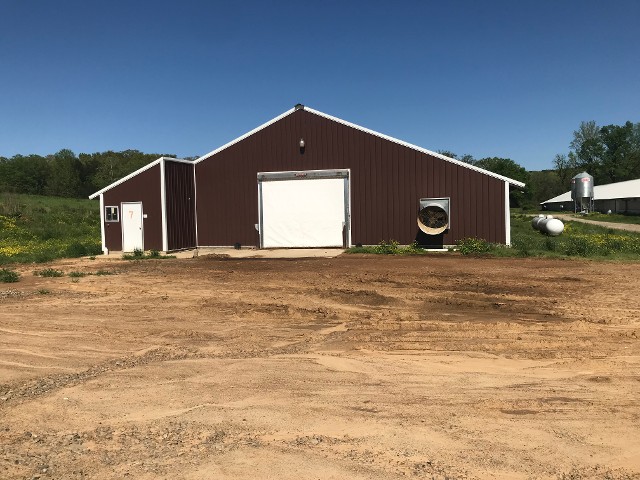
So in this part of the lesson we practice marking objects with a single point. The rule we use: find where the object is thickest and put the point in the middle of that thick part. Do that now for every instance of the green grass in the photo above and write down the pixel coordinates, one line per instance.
(577, 240)
(39, 229)
(8, 276)
(388, 248)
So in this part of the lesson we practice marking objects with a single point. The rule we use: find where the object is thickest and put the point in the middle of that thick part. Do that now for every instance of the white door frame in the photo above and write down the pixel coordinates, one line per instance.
(141, 221)
(309, 175)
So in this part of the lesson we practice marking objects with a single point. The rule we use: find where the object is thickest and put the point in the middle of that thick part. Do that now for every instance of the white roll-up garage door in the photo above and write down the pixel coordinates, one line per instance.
(304, 209)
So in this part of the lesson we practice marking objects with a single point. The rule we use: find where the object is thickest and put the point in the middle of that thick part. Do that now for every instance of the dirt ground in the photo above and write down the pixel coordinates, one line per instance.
(630, 227)
(356, 367)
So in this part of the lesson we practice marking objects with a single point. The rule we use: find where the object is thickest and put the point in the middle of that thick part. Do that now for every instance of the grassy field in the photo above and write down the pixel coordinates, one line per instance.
(40, 229)
(577, 240)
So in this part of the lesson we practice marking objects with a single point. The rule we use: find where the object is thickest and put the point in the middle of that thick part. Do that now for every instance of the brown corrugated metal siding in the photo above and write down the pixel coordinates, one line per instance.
(387, 181)
(145, 188)
(180, 202)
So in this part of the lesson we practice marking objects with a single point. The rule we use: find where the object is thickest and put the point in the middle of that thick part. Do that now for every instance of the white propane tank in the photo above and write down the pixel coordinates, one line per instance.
(554, 227)
(536, 221)
(542, 224)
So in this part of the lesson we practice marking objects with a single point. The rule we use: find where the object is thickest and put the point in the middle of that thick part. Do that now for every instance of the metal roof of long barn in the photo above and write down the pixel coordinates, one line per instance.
(626, 189)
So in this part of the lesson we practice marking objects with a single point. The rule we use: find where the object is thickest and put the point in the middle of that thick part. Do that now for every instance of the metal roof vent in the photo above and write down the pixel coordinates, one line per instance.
(299, 106)
(433, 216)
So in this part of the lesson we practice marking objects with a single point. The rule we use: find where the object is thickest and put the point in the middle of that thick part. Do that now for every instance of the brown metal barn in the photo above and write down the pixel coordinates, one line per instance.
(305, 179)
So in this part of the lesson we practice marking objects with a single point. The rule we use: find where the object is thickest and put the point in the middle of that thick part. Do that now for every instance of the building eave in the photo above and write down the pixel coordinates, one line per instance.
(511, 181)
(137, 172)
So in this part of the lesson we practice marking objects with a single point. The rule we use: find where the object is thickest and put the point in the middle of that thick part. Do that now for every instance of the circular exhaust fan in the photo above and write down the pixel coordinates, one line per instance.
(433, 219)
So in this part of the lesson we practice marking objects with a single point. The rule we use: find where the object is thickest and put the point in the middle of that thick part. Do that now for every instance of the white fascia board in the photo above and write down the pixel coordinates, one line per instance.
(137, 172)
(513, 182)
(248, 134)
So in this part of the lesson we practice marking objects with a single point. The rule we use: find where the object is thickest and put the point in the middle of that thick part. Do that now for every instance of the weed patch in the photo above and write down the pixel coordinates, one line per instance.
(77, 274)
(471, 246)
(8, 276)
(48, 272)
(391, 247)
(140, 255)
(105, 272)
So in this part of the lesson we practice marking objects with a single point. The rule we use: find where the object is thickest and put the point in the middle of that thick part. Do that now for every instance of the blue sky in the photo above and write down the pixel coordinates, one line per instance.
(487, 78)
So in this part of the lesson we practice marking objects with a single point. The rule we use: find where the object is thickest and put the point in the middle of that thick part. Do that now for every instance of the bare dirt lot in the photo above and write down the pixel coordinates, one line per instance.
(352, 367)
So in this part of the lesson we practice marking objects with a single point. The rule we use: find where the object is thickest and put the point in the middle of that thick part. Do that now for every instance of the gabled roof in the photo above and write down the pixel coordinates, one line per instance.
(511, 181)
(140, 170)
(626, 189)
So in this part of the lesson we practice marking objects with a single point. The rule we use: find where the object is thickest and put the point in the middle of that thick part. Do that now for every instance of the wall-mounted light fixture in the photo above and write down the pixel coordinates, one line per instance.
(301, 144)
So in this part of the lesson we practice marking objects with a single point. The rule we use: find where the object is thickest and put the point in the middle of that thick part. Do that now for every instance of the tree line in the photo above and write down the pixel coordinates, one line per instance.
(65, 174)
(610, 153)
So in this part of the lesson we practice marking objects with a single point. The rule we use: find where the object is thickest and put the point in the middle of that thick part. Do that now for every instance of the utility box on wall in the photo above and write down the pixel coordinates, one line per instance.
(433, 215)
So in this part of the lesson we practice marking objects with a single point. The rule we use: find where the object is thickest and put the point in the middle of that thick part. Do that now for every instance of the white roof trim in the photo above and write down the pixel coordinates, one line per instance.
(511, 181)
(248, 134)
(140, 170)
(419, 149)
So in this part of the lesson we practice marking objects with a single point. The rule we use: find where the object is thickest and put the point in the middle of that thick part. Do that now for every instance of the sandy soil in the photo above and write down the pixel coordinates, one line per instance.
(351, 367)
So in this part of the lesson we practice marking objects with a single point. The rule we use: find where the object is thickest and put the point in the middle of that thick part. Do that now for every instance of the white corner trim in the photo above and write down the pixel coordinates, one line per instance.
(507, 215)
(195, 202)
(105, 251)
(163, 203)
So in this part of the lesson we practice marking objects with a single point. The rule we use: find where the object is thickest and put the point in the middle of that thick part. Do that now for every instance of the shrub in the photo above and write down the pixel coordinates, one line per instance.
(412, 249)
(387, 248)
(8, 276)
(77, 274)
(48, 272)
(472, 245)
(76, 249)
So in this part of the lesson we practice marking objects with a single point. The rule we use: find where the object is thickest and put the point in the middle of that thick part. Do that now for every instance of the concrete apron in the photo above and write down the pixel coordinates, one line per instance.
(249, 253)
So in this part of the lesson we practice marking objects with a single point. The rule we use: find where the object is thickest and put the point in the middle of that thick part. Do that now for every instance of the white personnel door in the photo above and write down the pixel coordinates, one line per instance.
(304, 212)
(131, 220)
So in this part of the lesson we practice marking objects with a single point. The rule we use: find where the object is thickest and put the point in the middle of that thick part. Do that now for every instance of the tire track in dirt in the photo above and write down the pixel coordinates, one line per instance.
(21, 391)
